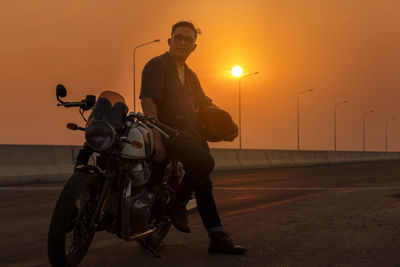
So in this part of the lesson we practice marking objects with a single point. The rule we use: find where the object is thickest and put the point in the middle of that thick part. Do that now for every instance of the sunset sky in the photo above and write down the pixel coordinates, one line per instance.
(344, 49)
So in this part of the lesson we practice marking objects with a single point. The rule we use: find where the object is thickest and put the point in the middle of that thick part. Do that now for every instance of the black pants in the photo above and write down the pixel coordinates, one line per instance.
(198, 164)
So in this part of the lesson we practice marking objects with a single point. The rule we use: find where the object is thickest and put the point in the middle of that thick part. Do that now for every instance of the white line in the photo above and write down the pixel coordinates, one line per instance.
(305, 188)
(30, 188)
(234, 188)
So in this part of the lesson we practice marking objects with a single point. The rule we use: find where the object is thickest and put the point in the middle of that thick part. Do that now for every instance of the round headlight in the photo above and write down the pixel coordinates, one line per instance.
(100, 135)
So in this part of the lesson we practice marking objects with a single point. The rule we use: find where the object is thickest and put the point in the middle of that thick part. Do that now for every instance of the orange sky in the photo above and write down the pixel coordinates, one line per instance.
(345, 50)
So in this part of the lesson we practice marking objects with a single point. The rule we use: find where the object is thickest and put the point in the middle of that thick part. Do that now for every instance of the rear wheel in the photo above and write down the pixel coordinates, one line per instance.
(69, 234)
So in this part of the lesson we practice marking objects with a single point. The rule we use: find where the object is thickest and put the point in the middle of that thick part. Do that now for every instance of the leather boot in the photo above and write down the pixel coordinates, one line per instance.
(221, 242)
(178, 214)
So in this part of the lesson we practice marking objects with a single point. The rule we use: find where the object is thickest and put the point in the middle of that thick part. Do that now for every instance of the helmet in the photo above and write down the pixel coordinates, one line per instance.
(216, 125)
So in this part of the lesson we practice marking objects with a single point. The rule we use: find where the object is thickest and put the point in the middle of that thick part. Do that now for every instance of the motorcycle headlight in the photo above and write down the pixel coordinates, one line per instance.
(100, 135)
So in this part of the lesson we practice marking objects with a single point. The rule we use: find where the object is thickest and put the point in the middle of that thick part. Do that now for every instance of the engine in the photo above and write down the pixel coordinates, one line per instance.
(138, 200)
(138, 172)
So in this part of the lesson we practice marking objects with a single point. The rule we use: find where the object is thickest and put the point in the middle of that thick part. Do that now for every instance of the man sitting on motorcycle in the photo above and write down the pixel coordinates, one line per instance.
(171, 92)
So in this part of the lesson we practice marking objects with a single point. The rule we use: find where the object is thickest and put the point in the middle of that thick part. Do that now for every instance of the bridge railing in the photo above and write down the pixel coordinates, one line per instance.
(40, 163)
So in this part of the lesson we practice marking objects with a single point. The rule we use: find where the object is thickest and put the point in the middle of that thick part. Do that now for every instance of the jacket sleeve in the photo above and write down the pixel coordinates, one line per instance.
(153, 80)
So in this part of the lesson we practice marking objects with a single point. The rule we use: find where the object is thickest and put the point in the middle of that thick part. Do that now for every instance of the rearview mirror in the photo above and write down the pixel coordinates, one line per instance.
(61, 91)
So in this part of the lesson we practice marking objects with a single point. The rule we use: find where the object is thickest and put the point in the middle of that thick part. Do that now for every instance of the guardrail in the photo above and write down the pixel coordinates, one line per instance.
(39, 163)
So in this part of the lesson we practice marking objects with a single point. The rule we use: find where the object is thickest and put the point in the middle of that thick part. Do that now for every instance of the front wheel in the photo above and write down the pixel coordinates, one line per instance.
(69, 234)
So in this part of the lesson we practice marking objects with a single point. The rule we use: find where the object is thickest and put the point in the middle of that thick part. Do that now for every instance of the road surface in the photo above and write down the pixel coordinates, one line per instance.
(332, 215)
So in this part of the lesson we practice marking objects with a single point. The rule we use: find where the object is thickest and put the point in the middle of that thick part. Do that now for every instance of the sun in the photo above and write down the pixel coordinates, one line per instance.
(237, 71)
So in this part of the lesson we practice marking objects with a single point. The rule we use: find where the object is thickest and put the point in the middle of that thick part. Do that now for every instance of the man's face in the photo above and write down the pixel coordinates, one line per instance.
(182, 43)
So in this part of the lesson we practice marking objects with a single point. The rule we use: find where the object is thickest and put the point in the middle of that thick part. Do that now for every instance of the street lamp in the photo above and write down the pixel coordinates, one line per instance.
(134, 71)
(386, 131)
(364, 115)
(334, 122)
(237, 72)
(298, 116)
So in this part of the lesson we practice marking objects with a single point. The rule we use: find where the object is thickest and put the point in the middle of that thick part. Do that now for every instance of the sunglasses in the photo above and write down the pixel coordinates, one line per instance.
(179, 38)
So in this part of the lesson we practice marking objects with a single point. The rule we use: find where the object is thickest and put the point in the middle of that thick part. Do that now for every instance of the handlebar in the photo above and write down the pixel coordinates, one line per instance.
(163, 126)
(85, 104)
(71, 104)
(154, 123)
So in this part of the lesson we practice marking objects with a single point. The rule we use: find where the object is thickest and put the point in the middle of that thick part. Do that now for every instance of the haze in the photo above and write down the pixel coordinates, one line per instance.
(345, 50)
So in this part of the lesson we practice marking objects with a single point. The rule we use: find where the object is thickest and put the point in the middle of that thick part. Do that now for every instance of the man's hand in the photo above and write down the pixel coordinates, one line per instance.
(149, 107)
(159, 150)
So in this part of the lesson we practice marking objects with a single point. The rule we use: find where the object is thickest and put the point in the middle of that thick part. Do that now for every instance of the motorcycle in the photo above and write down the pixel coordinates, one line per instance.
(115, 186)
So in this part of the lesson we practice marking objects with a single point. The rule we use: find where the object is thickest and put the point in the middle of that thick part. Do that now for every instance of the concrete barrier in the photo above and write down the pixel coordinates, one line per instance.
(31, 164)
(333, 157)
(279, 158)
(7, 169)
(307, 158)
(225, 159)
(252, 159)
(35, 163)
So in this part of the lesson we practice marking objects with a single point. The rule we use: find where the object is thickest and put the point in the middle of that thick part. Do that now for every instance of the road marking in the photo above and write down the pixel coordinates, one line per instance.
(259, 207)
(29, 188)
(234, 188)
(240, 188)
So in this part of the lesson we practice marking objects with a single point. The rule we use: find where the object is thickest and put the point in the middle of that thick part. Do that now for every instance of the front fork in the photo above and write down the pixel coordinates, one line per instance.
(83, 159)
(100, 202)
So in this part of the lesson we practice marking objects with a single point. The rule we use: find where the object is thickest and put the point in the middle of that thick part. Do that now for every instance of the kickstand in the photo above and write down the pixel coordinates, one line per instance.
(152, 250)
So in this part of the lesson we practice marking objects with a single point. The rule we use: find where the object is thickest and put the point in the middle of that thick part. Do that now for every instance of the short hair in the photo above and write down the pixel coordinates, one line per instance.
(185, 23)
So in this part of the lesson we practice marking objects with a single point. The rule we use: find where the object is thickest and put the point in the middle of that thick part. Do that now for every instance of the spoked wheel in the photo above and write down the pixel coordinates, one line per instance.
(69, 234)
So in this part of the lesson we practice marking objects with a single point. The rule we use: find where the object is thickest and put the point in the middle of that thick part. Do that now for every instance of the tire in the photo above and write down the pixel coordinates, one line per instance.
(70, 219)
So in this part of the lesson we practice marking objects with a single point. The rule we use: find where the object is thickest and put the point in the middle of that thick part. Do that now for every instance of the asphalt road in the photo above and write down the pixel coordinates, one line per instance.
(334, 215)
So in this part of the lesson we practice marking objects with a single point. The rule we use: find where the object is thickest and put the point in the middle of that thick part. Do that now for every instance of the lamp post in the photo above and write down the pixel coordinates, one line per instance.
(134, 71)
(364, 115)
(386, 131)
(240, 108)
(298, 116)
(334, 123)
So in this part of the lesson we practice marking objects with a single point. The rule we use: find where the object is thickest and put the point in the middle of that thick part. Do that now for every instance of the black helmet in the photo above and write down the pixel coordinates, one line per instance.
(217, 125)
